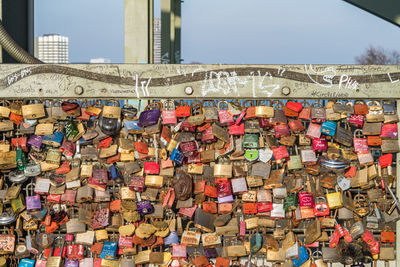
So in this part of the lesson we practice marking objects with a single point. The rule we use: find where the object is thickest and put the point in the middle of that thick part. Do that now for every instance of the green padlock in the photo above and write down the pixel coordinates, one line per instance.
(17, 204)
(251, 154)
(20, 157)
(290, 202)
(71, 130)
(250, 140)
(255, 243)
(53, 156)
(295, 163)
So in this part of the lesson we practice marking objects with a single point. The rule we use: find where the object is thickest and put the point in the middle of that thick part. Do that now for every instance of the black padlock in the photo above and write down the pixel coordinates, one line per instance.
(110, 126)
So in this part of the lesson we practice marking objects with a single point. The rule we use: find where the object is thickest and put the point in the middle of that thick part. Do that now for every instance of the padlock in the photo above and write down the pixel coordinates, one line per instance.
(169, 113)
(317, 112)
(32, 202)
(375, 112)
(109, 126)
(329, 128)
(321, 207)
(334, 200)
(55, 261)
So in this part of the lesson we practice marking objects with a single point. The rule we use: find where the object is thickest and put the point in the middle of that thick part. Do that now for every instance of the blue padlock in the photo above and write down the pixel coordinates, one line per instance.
(329, 128)
(108, 251)
(115, 171)
(171, 238)
(177, 156)
(26, 263)
(303, 257)
(54, 139)
(132, 126)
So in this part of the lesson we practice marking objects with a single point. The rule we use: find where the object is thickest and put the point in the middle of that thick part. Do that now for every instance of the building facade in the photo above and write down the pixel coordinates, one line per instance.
(52, 48)
(157, 40)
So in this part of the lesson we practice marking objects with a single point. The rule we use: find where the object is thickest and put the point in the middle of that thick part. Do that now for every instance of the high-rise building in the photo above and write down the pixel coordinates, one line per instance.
(157, 40)
(52, 48)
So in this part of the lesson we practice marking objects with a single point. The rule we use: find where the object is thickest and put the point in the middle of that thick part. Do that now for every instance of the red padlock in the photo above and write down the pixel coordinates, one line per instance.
(21, 142)
(236, 129)
(281, 153)
(210, 191)
(225, 115)
(281, 130)
(250, 208)
(210, 207)
(264, 206)
(187, 127)
(207, 136)
(188, 148)
(75, 252)
(105, 143)
(321, 208)
(296, 126)
(151, 167)
(295, 106)
(224, 188)
(385, 160)
(356, 120)
(195, 158)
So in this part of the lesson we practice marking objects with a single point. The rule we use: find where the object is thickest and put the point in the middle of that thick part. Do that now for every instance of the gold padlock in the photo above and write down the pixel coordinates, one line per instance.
(223, 170)
(101, 235)
(155, 181)
(55, 261)
(33, 111)
(127, 194)
(109, 263)
(334, 200)
(263, 111)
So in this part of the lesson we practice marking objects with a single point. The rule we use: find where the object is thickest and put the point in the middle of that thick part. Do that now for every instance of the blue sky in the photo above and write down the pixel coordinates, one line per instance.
(228, 31)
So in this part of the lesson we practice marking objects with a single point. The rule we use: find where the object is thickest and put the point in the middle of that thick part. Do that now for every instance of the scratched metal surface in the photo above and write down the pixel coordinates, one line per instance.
(207, 81)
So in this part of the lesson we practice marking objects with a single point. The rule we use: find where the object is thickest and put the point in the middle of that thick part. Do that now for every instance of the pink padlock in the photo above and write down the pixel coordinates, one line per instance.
(125, 241)
(356, 120)
(169, 113)
(360, 142)
(314, 131)
(178, 251)
(306, 199)
(389, 131)
(69, 237)
(320, 144)
(225, 115)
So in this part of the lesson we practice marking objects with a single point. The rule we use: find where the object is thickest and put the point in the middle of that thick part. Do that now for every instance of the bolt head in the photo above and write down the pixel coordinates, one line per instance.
(79, 90)
(285, 90)
(189, 90)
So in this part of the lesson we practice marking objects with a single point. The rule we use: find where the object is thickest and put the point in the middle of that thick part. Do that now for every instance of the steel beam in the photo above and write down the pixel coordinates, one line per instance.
(178, 26)
(17, 18)
(165, 31)
(171, 31)
(398, 193)
(388, 10)
(200, 81)
(138, 31)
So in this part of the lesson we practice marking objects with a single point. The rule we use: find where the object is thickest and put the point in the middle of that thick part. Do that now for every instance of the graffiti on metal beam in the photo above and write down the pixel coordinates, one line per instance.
(255, 81)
